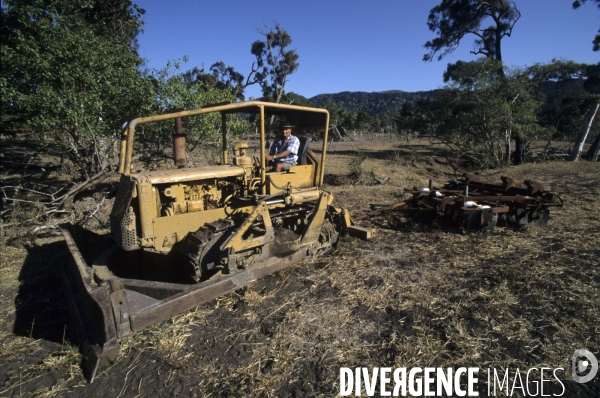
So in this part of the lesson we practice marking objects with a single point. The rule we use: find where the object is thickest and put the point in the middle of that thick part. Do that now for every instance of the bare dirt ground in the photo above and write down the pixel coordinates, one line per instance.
(416, 295)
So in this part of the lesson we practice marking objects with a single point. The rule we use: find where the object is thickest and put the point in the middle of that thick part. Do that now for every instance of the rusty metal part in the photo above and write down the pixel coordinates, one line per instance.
(379, 211)
(470, 177)
(535, 187)
(484, 220)
(478, 204)
(508, 183)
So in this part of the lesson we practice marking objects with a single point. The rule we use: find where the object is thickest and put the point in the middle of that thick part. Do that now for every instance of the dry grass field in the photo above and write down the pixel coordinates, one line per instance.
(418, 294)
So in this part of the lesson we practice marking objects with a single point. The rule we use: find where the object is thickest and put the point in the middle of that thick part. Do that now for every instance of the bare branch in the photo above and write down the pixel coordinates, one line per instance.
(88, 218)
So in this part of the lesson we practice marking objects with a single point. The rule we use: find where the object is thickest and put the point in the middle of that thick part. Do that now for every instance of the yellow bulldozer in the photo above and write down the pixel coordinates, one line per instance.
(183, 236)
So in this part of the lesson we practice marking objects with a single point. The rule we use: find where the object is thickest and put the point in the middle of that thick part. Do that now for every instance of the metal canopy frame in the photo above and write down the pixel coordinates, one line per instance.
(301, 116)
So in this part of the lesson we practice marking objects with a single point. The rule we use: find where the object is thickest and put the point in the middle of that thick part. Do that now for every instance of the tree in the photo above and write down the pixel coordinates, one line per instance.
(119, 20)
(116, 20)
(340, 119)
(174, 90)
(420, 117)
(63, 75)
(232, 80)
(561, 117)
(596, 41)
(479, 112)
(592, 86)
(274, 62)
(296, 99)
(578, 110)
(451, 20)
(196, 75)
(363, 120)
(586, 126)
(221, 76)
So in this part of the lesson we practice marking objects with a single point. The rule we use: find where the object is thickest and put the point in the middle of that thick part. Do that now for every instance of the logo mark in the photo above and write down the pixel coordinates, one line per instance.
(580, 365)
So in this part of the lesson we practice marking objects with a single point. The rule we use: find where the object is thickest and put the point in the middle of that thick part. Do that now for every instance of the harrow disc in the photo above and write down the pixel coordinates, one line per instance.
(484, 221)
(539, 218)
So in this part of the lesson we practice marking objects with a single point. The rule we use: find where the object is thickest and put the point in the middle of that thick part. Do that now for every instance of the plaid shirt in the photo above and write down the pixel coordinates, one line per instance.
(292, 144)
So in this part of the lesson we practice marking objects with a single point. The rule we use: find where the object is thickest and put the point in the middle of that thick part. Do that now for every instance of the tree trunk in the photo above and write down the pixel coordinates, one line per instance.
(547, 147)
(508, 147)
(498, 50)
(583, 133)
(519, 149)
(344, 132)
(101, 148)
(594, 151)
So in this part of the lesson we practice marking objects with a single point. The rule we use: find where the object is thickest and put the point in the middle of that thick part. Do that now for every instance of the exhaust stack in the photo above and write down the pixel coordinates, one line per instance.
(179, 146)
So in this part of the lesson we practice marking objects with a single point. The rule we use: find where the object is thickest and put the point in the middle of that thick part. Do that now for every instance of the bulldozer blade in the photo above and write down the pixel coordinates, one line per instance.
(89, 311)
(105, 311)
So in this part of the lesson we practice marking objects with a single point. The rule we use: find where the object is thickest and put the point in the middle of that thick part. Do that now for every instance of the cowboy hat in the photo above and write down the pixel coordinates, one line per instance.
(286, 125)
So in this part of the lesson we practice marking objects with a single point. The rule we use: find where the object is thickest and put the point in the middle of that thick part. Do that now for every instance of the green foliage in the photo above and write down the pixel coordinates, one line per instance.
(596, 41)
(70, 71)
(116, 20)
(558, 70)
(469, 73)
(564, 118)
(479, 112)
(414, 155)
(230, 79)
(296, 99)
(571, 91)
(274, 62)
(451, 20)
(173, 90)
(62, 74)
(363, 120)
(357, 171)
(375, 104)
(342, 117)
(592, 82)
(569, 88)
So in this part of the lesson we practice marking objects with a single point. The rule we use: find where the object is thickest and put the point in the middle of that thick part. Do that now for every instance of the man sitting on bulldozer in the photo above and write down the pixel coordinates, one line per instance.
(284, 151)
(183, 236)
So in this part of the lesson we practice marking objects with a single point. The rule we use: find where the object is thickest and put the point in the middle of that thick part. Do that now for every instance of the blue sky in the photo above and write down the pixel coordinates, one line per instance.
(352, 45)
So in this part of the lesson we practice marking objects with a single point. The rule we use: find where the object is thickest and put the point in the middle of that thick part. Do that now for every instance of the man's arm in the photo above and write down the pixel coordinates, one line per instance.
(279, 155)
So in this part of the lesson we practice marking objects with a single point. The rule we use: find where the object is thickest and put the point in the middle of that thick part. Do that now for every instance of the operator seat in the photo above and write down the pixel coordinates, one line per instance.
(304, 141)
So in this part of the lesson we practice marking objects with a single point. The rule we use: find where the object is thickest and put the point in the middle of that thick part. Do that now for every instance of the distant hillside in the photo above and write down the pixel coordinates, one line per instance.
(377, 103)
(556, 91)
(372, 103)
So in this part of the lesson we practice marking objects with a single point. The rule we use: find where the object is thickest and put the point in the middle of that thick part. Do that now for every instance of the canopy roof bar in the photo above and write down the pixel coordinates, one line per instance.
(301, 116)
(304, 118)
